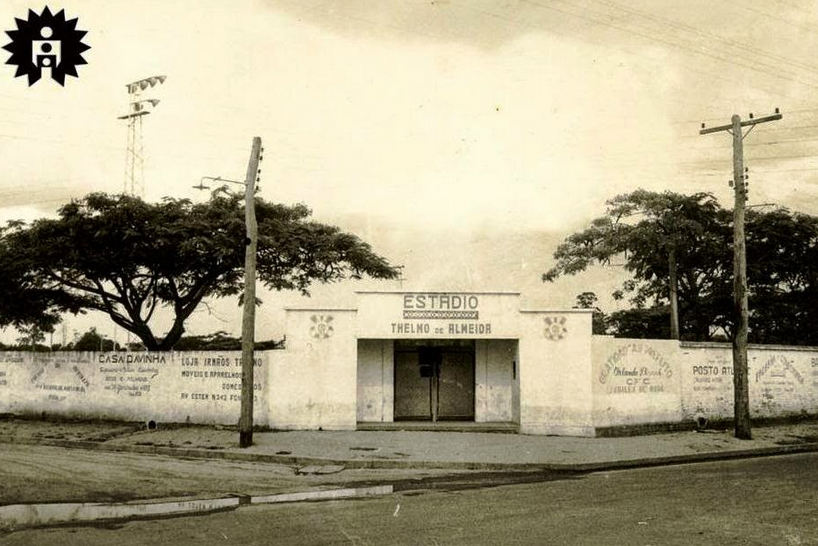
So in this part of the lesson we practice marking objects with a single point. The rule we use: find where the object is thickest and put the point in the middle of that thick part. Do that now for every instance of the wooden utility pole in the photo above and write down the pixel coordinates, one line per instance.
(248, 320)
(741, 384)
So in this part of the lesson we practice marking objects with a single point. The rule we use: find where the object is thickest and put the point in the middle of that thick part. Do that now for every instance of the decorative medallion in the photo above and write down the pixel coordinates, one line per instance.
(321, 326)
(555, 328)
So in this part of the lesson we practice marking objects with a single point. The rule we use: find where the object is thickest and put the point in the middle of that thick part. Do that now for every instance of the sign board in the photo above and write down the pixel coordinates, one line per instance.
(440, 315)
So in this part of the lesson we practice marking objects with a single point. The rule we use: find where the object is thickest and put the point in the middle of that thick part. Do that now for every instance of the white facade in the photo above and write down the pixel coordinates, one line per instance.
(423, 356)
(527, 367)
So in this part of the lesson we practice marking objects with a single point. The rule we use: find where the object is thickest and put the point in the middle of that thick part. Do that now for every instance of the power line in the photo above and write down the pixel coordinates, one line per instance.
(785, 141)
(668, 42)
(710, 36)
(809, 28)
(793, 6)
(528, 24)
(55, 141)
(786, 170)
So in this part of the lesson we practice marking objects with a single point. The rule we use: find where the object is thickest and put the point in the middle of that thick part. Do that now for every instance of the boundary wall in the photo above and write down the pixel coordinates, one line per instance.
(626, 383)
(645, 382)
(194, 387)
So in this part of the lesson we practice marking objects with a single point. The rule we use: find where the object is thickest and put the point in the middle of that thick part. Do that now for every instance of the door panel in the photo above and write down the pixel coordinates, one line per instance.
(433, 382)
(412, 389)
(456, 386)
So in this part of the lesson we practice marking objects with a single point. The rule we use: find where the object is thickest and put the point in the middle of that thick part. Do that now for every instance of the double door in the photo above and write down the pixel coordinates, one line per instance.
(434, 382)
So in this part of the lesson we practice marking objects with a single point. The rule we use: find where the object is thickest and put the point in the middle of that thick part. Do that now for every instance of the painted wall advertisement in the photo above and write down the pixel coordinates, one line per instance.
(198, 387)
(781, 382)
(635, 368)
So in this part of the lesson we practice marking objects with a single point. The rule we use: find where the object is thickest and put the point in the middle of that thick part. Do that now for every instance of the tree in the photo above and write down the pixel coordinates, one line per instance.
(674, 248)
(599, 322)
(782, 253)
(782, 250)
(24, 302)
(31, 338)
(222, 341)
(126, 257)
(642, 323)
(93, 341)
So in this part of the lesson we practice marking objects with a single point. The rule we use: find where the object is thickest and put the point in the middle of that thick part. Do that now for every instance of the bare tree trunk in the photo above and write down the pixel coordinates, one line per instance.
(674, 298)
(173, 336)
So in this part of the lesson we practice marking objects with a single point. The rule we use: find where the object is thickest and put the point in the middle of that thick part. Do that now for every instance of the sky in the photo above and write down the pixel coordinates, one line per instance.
(463, 138)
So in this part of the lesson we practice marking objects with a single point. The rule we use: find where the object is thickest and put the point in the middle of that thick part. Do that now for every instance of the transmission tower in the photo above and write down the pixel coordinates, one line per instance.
(138, 108)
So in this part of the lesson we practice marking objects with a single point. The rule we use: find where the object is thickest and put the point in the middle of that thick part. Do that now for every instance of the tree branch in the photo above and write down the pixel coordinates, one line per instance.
(79, 286)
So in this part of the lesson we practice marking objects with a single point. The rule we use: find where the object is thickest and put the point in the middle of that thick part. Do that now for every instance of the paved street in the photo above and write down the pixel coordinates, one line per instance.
(755, 501)
(31, 473)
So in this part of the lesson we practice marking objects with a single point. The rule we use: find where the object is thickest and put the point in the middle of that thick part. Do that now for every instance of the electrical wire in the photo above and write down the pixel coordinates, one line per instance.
(667, 41)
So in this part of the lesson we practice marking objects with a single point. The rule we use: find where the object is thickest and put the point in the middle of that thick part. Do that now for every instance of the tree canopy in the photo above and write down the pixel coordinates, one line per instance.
(782, 269)
(125, 257)
(588, 300)
(94, 341)
(222, 341)
(649, 231)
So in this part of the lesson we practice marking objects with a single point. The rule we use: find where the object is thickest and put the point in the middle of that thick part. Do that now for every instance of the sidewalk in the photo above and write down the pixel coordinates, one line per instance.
(415, 449)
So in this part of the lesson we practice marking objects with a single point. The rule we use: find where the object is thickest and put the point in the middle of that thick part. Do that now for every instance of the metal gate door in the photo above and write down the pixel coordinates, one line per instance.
(455, 386)
(434, 383)
(411, 388)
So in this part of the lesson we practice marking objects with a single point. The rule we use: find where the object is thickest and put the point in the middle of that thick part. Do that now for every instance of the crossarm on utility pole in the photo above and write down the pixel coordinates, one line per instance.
(745, 123)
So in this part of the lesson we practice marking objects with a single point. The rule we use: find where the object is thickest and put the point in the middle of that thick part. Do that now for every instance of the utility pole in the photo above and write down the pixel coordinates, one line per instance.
(741, 384)
(248, 319)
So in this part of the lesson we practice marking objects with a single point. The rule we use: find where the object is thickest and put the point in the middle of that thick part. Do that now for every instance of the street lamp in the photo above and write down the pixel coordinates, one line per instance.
(248, 321)
(201, 185)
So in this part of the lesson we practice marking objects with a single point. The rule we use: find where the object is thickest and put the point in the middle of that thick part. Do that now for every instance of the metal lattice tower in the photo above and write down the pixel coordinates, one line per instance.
(134, 160)
(138, 108)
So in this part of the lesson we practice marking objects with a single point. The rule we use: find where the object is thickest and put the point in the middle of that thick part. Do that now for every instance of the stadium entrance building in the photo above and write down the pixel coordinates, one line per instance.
(439, 358)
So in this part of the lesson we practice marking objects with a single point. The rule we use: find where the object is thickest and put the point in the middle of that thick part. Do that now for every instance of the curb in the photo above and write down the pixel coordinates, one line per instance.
(326, 494)
(694, 458)
(18, 516)
(382, 464)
